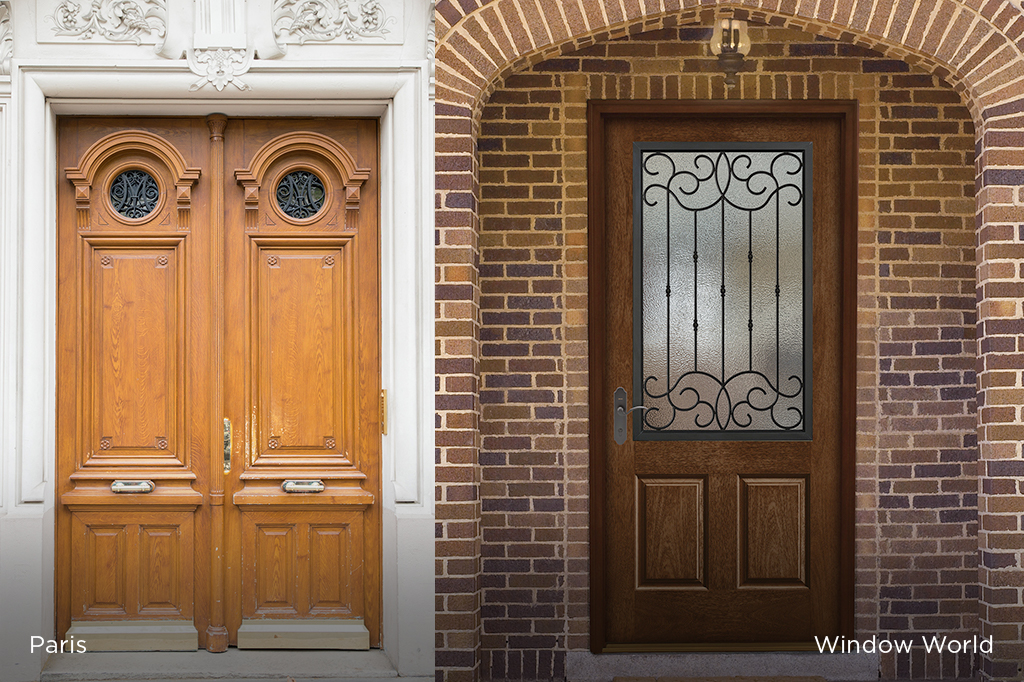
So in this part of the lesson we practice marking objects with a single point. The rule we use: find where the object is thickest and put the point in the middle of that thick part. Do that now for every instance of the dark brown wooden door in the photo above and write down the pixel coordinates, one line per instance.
(708, 538)
(212, 272)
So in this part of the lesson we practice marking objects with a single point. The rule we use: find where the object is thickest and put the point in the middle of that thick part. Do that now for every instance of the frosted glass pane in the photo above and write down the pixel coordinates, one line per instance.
(723, 243)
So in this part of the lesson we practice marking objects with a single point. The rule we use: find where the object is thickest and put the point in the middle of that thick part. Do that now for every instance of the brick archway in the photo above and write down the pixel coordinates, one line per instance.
(971, 45)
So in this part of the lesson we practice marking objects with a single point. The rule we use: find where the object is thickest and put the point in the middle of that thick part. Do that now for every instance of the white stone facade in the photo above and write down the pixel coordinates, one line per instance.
(193, 58)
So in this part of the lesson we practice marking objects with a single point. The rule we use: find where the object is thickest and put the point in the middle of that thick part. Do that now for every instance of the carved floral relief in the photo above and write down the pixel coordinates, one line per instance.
(120, 21)
(6, 38)
(328, 20)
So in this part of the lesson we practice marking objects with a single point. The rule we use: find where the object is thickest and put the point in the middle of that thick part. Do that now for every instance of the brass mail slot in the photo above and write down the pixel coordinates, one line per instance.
(121, 486)
(303, 486)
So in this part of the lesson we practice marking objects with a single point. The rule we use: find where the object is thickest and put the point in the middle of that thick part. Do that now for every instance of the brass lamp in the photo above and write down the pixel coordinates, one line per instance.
(730, 44)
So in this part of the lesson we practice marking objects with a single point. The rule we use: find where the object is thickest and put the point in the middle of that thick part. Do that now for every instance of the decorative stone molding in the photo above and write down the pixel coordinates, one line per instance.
(119, 21)
(6, 39)
(432, 47)
(326, 20)
(219, 66)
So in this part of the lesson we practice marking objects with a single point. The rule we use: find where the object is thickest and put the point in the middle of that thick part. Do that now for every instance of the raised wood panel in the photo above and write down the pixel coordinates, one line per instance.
(103, 570)
(304, 371)
(773, 531)
(132, 563)
(276, 559)
(302, 563)
(133, 354)
(671, 532)
(331, 569)
(162, 560)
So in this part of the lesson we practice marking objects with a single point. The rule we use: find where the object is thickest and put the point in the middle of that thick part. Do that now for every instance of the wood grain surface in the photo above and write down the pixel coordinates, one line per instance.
(770, 521)
(218, 304)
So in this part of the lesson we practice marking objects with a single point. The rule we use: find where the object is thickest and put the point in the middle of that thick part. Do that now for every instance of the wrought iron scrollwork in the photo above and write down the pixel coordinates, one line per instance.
(134, 194)
(735, 213)
(300, 194)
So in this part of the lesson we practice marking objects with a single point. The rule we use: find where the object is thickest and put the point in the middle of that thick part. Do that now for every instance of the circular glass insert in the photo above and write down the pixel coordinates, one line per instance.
(134, 194)
(300, 194)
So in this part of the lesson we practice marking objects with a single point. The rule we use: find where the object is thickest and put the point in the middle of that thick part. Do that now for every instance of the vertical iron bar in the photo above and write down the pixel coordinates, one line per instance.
(750, 290)
(668, 291)
(695, 324)
(723, 289)
(778, 385)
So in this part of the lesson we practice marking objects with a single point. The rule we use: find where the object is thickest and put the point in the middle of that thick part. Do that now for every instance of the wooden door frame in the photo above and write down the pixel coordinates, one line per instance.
(598, 112)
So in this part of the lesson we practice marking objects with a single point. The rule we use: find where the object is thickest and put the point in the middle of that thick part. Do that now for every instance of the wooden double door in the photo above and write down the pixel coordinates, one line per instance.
(218, 408)
(722, 293)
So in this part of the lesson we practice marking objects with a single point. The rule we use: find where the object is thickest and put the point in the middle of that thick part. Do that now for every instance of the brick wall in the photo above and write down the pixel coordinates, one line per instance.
(917, 454)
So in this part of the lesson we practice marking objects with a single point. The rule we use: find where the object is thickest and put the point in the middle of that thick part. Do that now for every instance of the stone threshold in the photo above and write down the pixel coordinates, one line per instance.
(262, 666)
(774, 678)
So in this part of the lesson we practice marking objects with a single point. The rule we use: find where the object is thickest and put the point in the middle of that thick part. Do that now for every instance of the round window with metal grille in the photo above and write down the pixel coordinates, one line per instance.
(301, 194)
(134, 194)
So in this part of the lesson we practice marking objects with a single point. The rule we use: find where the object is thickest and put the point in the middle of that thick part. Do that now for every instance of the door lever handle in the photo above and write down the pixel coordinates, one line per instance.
(622, 410)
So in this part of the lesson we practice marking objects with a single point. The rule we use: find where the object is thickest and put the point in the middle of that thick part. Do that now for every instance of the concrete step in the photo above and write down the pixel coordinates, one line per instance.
(719, 679)
(235, 665)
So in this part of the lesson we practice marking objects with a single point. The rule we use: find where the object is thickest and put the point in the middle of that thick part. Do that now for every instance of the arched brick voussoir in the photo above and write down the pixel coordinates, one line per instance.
(972, 45)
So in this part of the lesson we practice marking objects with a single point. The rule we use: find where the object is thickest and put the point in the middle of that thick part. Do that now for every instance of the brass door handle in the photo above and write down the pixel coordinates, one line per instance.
(227, 445)
(303, 486)
(123, 486)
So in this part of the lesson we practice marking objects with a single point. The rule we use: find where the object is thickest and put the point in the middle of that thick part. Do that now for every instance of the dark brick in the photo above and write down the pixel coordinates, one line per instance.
(606, 66)
(885, 66)
(536, 396)
(896, 158)
(998, 560)
(935, 501)
(1005, 467)
(1004, 176)
(812, 49)
(937, 470)
(958, 515)
(914, 607)
(558, 65)
(938, 348)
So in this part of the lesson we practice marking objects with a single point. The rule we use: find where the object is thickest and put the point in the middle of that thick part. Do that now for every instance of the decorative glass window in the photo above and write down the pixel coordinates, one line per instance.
(722, 290)
(134, 194)
(300, 194)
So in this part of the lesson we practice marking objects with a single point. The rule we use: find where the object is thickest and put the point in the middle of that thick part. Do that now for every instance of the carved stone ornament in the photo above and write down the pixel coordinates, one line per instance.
(432, 48)
(219, 66)
(326, 20)
(6, 39)
(119, 21)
